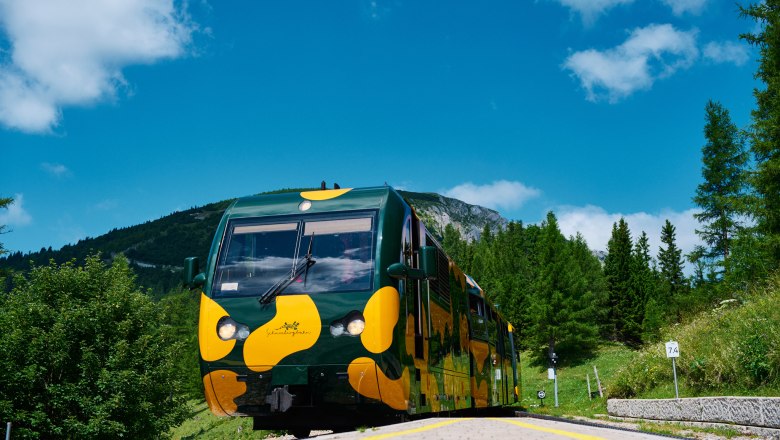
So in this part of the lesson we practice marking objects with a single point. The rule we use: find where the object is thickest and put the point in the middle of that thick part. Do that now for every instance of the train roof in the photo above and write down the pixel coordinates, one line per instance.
(314, 201)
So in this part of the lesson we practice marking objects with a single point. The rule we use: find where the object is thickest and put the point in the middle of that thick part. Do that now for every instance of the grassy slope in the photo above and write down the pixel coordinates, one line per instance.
(732, 351)
(572, 383)
(205, 425)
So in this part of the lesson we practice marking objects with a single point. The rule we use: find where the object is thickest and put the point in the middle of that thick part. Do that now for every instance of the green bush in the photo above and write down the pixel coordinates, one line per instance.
(732, 348)
(84, 354)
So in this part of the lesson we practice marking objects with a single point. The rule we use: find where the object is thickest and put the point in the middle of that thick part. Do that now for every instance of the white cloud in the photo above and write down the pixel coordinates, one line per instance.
(650, 53)
(56, 169)
(589, 10)
(680, 7)
(726, 52)
(15, 215)
(595, 224)
(499, 194)
(72, 52)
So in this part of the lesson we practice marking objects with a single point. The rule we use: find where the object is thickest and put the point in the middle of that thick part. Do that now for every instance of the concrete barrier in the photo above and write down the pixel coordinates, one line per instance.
(747, 411)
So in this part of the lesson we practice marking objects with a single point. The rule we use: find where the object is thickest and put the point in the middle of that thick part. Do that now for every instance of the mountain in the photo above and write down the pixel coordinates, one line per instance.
(157, 248)
(437, 211)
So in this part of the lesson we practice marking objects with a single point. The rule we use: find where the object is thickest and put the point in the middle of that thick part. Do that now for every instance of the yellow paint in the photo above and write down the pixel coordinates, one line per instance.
(459, 276)
(362, 377)
(368, 380)
(222, 388)
(480, 351)
(325, 194)
(211, 347)
(410, 335)
(510, 328)
(479, 392)
(381, 315)
(395, 393)
(550, 430)
(295, 327)
(415, 430)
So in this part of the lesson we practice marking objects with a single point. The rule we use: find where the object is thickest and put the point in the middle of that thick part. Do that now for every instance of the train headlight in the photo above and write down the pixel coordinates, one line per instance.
(356, 326)
(337, 329)
(350, 325)
(228, 329)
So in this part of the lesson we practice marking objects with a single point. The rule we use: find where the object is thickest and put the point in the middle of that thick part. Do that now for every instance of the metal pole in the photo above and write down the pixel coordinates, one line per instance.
(590, 396)
(555, 382)
(674, 370)
(8, 431)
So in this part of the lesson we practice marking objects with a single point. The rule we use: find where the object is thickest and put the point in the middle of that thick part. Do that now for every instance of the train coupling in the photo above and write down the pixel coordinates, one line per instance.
(280, 399)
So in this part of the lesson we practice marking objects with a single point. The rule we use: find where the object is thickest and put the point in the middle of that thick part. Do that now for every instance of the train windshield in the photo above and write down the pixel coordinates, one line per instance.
(296, 256)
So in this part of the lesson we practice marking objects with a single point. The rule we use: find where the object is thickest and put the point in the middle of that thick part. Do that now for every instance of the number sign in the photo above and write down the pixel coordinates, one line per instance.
(672, 349)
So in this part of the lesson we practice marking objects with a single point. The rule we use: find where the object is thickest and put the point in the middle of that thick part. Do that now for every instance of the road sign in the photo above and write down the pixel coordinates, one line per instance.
(541, 394)
(672, 349)
(551, 373)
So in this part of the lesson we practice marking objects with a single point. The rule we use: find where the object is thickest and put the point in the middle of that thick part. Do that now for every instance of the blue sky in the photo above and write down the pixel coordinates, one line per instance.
(117, 112)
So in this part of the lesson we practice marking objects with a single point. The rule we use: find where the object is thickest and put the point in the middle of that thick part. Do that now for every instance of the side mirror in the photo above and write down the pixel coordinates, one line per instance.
(397, 271)
(192, 276)
(428, 262)
(401, 271)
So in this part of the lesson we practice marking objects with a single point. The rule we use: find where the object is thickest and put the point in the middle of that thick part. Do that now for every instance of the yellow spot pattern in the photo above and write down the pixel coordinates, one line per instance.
(326, 194)
(295, 327)
(381, 315)
(211, 347)
(368, 380)
(221, 388)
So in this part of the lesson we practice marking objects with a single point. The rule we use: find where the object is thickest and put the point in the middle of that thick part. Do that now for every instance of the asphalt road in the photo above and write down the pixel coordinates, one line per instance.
(486, 429)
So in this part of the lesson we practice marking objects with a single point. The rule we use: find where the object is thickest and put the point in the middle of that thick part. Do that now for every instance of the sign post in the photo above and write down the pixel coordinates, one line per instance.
(554, 359)
(541, 395)
(673, 351)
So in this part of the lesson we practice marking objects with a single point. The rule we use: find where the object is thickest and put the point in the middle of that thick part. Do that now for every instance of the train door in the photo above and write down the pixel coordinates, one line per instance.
(414, 290)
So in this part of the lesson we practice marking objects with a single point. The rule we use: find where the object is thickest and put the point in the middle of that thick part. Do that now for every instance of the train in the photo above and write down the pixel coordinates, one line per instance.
(338, 308)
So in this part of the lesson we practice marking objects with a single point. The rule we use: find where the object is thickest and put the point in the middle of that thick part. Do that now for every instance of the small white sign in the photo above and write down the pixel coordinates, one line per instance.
(228, 287)
(672, 349)
(551, 373)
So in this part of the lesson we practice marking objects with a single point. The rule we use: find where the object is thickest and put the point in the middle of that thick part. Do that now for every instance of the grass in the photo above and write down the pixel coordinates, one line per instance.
(205, 425)
(572, 383)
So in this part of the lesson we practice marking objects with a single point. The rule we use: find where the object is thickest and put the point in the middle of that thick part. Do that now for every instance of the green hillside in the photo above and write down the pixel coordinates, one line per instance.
(156, 249)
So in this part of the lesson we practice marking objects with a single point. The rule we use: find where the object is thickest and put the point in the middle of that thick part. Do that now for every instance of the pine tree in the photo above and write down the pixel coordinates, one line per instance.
(4, 202)
(642, 286)
(617, 270)
(721, 195)
(561, 319)
(765, 133)
(674, 286)
(596, 296)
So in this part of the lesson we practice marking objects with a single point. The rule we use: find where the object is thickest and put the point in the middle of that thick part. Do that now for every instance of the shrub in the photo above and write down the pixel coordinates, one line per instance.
(86, 355)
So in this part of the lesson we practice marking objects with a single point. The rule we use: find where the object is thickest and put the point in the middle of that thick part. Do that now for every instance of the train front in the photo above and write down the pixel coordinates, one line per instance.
(295, 327)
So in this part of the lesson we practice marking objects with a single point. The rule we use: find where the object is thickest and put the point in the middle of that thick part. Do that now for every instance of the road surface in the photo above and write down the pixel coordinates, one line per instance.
(487, 429)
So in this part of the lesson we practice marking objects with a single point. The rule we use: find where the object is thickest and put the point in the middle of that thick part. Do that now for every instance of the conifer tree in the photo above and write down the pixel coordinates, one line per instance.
(721, 195)
(617, 270)
(561, 319)
(4, 202)
(596, 297)
(765, 132)
(642, 287)
(674, 286)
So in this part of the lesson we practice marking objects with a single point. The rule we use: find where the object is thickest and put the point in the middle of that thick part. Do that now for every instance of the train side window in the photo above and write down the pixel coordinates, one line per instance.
(476, 306)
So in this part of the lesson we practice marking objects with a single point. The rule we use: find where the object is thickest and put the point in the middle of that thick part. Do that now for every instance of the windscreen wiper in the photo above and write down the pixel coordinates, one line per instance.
(302, 266)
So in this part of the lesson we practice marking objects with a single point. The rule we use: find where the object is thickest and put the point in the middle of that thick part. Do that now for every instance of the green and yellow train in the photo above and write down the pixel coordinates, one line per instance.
(334, 308)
